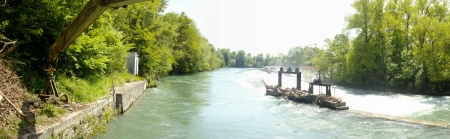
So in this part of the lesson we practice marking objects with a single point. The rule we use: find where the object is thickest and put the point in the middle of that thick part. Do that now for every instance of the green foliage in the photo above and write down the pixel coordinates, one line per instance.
(167, 43)
(296, 57)
(366, 59)
(51, 110)
(3, 134)
(35, 29)
(322, 62)
(249, 62)
(241, 59)
(98, 51)
(98, 124)
(91, 88)
(150, 35)
(401, 43)
(187, 50)
(259, 62)
(361, 63)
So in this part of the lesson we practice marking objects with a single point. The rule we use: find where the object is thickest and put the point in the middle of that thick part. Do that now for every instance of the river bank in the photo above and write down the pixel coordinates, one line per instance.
(89, 118)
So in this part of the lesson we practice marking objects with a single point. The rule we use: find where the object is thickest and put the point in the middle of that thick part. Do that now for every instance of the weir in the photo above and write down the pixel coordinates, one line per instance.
(298, 95)
(402, 119)
(289, 71)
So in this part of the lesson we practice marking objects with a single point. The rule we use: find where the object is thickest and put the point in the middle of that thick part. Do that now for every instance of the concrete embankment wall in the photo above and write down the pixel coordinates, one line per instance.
(74, 123)
(127, 95)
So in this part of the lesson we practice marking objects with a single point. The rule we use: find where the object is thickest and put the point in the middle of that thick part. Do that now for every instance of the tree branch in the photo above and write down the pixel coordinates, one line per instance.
(12, 104)
(5, 46)
(3, 4)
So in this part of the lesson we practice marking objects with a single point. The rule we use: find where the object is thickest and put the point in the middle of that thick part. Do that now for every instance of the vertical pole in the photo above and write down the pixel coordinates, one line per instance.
(311, 88)
(334, 91)
(279, 76)
(299, 80)
(319, 74)
(320, 89)
(328, 91)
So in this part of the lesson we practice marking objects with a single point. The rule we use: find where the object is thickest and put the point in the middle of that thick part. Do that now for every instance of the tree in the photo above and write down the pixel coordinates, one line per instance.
(259, 62)
(250, 61)
(187, 51)
(296, 57)
(241, 59)
(35, 29)
(337, 51)
(430, 39)
(98, 51)
(226, 56)
(149, 34)
(399, 43)
(268, 60)
(366, 58)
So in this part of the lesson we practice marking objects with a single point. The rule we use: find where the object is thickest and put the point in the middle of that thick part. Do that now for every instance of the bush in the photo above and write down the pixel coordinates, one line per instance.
(93, 87)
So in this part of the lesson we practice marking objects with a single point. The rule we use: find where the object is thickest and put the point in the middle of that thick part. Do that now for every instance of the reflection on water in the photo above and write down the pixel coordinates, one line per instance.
(230, 103)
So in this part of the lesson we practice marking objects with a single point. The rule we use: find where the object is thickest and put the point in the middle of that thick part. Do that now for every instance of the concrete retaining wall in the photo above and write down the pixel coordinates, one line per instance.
(67, 127)
(127, 95)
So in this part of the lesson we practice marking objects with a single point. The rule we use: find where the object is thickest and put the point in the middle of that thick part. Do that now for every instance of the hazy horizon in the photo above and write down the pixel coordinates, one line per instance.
(264, 26)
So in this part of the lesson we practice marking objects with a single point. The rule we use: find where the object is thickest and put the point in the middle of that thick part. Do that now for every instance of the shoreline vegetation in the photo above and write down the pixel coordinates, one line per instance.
(381, 89)
(401, 45)
(395, 53)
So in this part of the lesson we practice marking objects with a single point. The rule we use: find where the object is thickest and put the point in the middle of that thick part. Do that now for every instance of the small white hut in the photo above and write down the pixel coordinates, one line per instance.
(133, 63)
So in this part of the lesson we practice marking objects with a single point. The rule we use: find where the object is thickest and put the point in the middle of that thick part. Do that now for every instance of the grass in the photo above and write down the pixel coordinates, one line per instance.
(3, 134)
(98, 124)
(51, 110)
(92, 88)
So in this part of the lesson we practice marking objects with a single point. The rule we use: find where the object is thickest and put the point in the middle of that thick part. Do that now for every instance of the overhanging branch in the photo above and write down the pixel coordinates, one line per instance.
(7, 42)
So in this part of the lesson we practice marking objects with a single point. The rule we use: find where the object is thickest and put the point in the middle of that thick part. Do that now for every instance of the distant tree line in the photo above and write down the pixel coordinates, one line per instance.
(399, 43)
(297, 56)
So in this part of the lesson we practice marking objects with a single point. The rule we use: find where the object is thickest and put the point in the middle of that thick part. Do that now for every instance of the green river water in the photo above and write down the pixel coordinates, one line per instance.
(231, 103)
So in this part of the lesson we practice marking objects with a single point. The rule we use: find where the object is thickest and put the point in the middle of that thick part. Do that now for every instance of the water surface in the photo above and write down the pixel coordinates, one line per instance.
(230, 103)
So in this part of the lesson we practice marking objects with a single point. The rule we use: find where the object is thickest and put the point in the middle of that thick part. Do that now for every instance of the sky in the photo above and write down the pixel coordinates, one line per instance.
(265, 26)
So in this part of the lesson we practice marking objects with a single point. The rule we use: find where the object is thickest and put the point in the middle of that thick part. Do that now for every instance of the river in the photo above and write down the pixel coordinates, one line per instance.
(230, 103)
